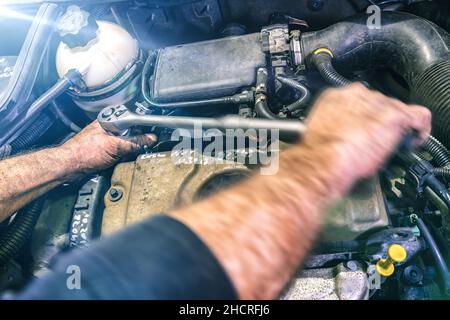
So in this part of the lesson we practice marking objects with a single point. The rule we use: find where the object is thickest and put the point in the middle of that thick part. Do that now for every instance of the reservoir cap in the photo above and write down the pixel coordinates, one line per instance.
(77, 27)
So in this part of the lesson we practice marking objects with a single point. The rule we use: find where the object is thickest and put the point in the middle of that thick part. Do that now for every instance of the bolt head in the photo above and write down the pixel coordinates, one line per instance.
(115, 194)
(107, 113)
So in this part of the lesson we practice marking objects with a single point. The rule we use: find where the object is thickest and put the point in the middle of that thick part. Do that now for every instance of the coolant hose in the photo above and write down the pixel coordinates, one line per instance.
(322, 60)
(413, 47)
(19, 231)
(436, 253)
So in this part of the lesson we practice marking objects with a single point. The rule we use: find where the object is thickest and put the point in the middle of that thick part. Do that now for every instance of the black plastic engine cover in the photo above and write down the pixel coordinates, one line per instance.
(207, 69)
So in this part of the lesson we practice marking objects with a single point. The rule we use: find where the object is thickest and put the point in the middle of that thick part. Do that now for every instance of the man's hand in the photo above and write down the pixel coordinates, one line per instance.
(26, 177)
(263, 228)
(354, 130)
(96, 150)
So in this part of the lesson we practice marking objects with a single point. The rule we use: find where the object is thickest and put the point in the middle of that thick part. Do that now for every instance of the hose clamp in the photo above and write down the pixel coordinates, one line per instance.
(324, 50)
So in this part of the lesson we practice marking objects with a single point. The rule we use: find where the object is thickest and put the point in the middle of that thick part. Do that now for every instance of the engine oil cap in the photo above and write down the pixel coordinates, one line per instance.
(396, 254)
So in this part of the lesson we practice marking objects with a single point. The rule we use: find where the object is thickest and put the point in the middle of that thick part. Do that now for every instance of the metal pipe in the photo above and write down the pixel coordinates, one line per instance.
(48, 96)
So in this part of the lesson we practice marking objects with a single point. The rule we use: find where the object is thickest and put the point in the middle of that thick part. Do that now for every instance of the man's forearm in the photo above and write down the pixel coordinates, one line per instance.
(26, 177)
(261, 229)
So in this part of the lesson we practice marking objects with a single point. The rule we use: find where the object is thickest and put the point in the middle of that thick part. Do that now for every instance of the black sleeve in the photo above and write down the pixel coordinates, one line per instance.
(159, 258)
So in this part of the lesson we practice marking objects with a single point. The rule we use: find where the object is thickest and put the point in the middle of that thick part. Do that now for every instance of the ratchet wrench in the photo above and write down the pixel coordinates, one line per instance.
(118, 119)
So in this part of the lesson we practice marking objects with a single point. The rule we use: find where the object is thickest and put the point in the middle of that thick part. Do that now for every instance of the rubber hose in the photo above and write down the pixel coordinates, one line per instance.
(19, 231)
(322, 61)
(262, 109)
(305, 94)
(432, 89)
(437, 255)
(31, 134)
(414, 48)
(442, 172)
(440, 153)
(436, 12)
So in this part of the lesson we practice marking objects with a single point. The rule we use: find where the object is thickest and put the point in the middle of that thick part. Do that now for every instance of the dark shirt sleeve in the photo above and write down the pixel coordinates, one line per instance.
(159, 258)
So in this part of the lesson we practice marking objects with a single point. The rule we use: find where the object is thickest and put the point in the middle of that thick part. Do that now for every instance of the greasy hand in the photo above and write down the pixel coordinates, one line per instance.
(355, 130)
(95, 149)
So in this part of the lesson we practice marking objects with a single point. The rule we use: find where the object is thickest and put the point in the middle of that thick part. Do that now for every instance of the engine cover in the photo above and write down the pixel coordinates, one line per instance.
(155, 184)
(207, 69)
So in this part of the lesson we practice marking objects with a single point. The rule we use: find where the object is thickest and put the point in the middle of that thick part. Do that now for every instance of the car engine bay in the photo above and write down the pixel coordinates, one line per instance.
(157, 66)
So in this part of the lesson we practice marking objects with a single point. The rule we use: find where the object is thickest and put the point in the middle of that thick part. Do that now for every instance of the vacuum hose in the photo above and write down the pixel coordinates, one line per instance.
(411, 46)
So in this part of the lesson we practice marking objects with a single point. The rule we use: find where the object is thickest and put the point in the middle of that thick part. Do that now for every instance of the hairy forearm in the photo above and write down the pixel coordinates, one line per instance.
(26, 177)
(262, 229)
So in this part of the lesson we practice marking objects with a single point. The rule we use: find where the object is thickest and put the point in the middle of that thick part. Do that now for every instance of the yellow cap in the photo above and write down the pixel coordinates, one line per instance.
(385, 268)
(396, 253)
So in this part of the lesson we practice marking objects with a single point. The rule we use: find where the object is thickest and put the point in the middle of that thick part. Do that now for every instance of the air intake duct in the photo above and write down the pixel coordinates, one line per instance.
(411, 46)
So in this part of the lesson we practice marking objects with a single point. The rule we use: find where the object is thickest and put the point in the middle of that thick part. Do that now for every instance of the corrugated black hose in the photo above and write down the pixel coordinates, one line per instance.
(441, 155)
(19, 231)
(322, 61)
(442, 172)
(31, 134)
(27, 138)
(432, 89)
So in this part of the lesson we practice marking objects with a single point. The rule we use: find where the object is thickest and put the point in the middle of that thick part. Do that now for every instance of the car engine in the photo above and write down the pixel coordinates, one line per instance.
(172, 67)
